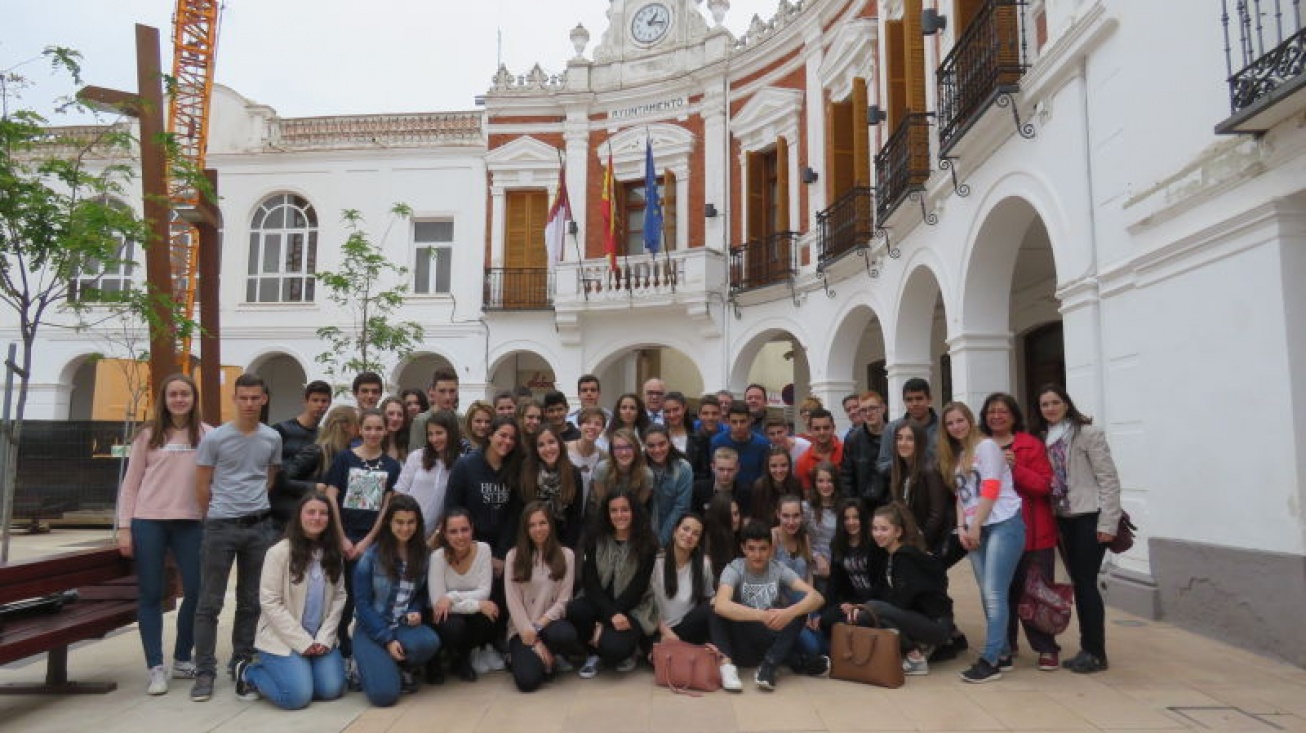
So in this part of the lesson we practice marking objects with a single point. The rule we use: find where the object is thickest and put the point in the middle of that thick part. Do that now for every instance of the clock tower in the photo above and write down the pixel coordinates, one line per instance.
(643, 28)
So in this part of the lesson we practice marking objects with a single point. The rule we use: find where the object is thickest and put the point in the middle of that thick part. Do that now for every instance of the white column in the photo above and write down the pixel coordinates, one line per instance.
(576, 138)
(898, 372)
(1081, 321)
(716, 170)
(498, 223)
(831, 394)
(981, 365)
(815, 120)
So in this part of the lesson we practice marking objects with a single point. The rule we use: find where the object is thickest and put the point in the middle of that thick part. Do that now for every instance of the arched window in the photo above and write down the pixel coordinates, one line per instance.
(100, 280)
(282, 251)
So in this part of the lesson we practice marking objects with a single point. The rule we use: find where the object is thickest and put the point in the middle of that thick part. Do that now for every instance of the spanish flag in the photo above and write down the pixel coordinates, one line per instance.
(609, 214)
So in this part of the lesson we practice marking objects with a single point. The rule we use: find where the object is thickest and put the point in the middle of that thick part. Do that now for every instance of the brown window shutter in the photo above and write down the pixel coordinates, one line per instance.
(756, 228)
(861, 133)
(782, 185)
(895, 49)
(830, 147)
(914, 44)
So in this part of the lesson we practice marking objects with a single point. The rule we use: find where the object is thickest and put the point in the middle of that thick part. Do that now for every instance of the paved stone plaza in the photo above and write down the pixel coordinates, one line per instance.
(1161, 679)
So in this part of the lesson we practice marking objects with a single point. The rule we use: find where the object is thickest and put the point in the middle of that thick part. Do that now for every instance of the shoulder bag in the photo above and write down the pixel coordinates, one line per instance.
(1124, 535)
(866, 655)
(686, 667)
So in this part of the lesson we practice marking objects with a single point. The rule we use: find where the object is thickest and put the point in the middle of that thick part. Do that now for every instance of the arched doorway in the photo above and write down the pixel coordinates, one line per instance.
(522, 368)
(920, 341)
(285, 379)
(415, 373)
(776, 359)
(857, 356)
(81, 397)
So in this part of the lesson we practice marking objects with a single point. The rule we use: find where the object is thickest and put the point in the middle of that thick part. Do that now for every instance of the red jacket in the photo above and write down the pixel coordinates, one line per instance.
(1032, 474)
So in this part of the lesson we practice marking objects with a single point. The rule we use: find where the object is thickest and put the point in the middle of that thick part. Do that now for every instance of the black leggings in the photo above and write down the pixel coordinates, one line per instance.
(747, 643)
(915, 629)
(696, 626)
(1083, 556)
(527, 667)
(460, 633)
(614, 646)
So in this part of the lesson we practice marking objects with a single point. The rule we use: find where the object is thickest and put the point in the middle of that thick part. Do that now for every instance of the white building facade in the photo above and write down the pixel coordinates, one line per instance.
(855, 196)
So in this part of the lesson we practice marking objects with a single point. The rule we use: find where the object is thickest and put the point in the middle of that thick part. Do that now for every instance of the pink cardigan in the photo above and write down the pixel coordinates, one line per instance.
(160, 482)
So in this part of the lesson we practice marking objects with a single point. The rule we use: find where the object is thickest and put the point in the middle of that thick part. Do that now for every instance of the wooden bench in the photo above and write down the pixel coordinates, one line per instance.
(106, 594)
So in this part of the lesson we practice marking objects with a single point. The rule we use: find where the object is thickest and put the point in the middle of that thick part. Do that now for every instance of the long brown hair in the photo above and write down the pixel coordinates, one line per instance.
(523, 562)
(453, 437)
(302, 547)
(814, 496)
(636, 482)
(533, 464)
(387, 545)
(911, 470)
(953, 452)
(901, 517)
(161, 421)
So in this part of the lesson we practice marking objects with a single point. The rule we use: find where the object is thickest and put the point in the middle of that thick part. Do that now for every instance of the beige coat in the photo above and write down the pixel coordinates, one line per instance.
(280, 625)
(1091, 478)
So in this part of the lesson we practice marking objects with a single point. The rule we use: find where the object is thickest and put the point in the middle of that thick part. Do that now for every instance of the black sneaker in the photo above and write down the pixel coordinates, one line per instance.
(407, 681)
(244, 690)
(981, 671)
(1085, 663)
(817, 666)
(765, 677)
(1007, 663)
(202, 690)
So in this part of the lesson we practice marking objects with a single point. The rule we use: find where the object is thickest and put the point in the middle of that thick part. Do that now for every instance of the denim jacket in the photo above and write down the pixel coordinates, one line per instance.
(673, 493)
(374, 596)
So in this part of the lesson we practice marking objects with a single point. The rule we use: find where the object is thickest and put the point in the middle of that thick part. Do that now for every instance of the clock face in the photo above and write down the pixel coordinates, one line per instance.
(650, 23)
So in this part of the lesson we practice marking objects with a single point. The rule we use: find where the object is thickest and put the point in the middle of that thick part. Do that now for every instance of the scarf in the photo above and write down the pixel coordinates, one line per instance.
(1058, 445)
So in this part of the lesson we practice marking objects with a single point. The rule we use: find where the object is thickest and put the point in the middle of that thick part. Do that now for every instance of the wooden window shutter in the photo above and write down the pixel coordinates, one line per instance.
(895, 49)
(1007, 26)
(830, 145)
(756, 192)
(861, 134)
(781, 185)
(668, 210)
(914, 66)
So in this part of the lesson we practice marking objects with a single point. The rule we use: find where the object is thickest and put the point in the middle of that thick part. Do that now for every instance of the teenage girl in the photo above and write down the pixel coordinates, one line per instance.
(538, 587)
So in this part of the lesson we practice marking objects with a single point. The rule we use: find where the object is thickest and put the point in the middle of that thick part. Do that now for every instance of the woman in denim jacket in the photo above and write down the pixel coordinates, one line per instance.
(390, 597)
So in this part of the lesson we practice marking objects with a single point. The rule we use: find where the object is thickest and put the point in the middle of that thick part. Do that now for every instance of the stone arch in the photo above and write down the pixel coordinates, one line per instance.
(847, 340)
(507, 366)
(918, 295)
(754, 344)
(415, 371)
(990, 261)
(624, 367)
(77, 383)
(285, 377)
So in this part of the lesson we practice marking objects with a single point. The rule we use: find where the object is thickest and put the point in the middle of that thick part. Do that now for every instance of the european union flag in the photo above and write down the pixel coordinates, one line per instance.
(652, 202)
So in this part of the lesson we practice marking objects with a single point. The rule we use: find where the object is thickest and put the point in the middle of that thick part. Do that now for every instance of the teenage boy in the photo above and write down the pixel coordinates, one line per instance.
(444, 396)
(367, 390)
(826, 446)
(750, 446)
(777, 432)
(505, 404)
(852, 407)
(916, 398)
(724, 478)
(235, 466)
(555, 415)
(296, 434)
(699, 449)
(752, 625)
(861, 452)
(589, 391)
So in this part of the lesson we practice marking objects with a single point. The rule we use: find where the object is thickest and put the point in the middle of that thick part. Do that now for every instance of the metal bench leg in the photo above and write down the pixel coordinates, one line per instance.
(56, 680)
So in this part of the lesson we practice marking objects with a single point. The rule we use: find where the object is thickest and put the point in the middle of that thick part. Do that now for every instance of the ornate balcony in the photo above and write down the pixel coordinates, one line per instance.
(518, 288)
(983, 68)
(847, 225)
(677, 276)
(762, 262)
(1267, 71)
(903, 165)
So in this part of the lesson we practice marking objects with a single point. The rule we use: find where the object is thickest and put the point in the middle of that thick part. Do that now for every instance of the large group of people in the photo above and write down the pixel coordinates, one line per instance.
(381, 544)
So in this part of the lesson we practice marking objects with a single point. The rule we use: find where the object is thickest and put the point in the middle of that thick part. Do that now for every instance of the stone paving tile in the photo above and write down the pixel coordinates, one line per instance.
(1157, 672)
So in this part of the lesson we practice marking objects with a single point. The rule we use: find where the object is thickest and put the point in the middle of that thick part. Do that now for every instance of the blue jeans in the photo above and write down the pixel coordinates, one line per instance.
(379, 672)
(151, 539)
(1001, 546)
(225, 542)
(292, 682)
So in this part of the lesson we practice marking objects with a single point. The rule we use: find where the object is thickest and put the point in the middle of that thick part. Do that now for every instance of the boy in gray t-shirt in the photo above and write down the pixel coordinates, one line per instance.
(235, 467)
(751, 623)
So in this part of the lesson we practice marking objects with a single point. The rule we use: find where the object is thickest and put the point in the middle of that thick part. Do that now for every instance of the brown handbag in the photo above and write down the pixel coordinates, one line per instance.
(870, 656)
(686, 667)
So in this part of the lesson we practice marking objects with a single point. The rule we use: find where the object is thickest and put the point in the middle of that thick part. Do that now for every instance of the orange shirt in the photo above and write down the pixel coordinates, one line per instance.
(807, 461)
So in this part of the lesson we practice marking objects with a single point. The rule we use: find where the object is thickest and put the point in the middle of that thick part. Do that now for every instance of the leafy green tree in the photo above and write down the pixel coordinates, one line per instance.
(370, 288)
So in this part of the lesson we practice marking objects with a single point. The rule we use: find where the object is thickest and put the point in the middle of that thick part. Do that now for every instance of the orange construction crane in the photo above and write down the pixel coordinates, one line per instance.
(194, 51)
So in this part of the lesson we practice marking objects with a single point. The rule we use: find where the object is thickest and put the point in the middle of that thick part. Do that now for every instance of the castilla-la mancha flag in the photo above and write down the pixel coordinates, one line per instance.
(555, 232)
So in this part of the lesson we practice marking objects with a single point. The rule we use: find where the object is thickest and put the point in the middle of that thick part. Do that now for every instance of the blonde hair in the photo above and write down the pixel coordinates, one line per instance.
(954, 453)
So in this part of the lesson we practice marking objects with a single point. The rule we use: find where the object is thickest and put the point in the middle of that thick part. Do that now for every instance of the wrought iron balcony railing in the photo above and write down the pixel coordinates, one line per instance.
(1268, 64)
(903, 165)
(518, 288)
(984, 67)
(848, 224)
(766, 261)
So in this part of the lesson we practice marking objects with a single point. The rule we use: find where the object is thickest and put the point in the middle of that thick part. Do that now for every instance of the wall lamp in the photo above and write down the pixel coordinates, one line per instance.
(709, 211)
(572, 227)
(932, 22)
(809, 175)
(875, 115)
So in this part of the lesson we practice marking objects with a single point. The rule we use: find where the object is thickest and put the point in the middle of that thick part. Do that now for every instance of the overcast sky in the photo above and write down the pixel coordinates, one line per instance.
(322, 57)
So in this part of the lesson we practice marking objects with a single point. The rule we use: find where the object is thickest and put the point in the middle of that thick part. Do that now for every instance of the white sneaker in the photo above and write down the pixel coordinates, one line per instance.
(183, 670)
(158, 681)
(730, 678)
(480, 662)
(494, 659)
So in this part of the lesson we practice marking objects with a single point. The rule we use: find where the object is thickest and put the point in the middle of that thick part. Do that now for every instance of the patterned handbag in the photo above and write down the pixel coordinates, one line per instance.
(1045, 605)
